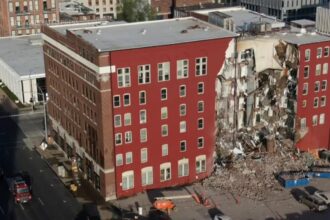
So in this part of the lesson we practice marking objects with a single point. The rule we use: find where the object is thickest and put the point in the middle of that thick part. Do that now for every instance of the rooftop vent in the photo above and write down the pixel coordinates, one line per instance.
(143, 31)
(98, 31)
(303, 31)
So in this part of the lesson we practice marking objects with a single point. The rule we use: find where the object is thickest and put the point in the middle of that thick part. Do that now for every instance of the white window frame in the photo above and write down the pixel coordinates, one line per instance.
(129, 99)
(167, 172)
(303, 123)
(123, 77)
(307, 55)
(182, 69)
(182, 90)
(316, 102)
(164, 113)
(183, 126)
(304, 103)
(325, 68)
(322, 119)
(306, 71)
(143, 135)
(141, 98)
(183, 167)
(118, 139)
(114, 97)
(164, 150)
(164, 71)
(128, 137)
(117, 118)
(164, 130)
(144, 155)
(183, 146)
(200, 140)
(183, 109)
(144, 74)
(317, 86)
(129, 157)
(201, 164)
(127, 180)
(201, 66)
(143, 116)
(318, 69)
(324, 85)
(200, 104)
(323, 101)
(319, 52)
(326, 51)
(119, 160)
(127, 119)
(147, 176)
(161, 94)
(203, 123)
(305, 89)
(314, 120)
(203, 86)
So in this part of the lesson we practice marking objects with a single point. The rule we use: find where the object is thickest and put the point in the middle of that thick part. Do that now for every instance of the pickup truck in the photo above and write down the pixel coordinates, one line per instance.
(20, 187)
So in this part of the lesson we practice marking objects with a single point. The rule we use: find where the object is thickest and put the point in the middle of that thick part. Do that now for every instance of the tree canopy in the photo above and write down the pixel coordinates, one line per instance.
(136, 10)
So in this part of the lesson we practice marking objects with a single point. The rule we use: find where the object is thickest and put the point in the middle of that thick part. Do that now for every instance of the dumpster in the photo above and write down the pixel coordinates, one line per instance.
(294, 179)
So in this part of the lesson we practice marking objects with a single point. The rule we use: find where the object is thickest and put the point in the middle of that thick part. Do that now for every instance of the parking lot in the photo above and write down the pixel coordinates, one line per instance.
(278, 205)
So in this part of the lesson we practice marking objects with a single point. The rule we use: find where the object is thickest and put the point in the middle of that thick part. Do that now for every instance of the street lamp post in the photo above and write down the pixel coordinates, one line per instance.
(45, 113)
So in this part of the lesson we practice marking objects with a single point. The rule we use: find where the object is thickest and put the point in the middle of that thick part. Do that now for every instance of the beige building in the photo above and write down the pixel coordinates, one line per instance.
(102, 8)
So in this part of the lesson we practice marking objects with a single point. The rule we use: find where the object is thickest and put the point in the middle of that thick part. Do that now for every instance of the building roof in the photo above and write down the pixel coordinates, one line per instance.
(303, 22)
(303, 38)
(148, 34)
(23, 54)
(74, 8)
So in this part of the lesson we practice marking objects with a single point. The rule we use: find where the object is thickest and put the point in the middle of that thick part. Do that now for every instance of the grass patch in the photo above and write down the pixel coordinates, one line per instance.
(11, 95)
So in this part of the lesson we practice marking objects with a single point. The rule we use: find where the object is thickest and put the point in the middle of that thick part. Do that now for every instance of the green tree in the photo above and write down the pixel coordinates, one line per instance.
(136, 10)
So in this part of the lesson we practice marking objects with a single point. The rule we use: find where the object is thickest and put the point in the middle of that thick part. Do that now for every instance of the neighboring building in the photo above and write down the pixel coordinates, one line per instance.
(23, 17)
(306, 24)
(285, 9)
(74, 11)
(136, 115)
(22, 67)
(323, 20)
(103, 8)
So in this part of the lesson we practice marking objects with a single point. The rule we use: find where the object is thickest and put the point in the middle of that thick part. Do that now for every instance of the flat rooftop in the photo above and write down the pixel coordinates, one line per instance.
(114, 37)
(303, 38)
(303, 22)
(23, 54)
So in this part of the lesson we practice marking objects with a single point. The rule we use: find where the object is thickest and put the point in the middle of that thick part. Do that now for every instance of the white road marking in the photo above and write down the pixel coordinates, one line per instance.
(21, 206)
(41, 170)
(1, 210)
(64, 201)
(41, 202)
(52, 185)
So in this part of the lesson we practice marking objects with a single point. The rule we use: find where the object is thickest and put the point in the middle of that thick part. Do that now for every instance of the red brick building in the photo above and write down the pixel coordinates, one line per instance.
(312, 116)
(22, 17)
(135, 103)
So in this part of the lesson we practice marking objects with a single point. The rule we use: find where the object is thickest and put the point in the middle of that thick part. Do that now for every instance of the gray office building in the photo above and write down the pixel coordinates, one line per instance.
(286, 10)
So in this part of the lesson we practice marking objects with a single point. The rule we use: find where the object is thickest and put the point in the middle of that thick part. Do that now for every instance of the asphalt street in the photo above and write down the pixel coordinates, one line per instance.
(51, 200)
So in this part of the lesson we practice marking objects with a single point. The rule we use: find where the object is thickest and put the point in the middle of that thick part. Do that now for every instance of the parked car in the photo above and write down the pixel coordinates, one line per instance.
(313, 202)
(325, 196)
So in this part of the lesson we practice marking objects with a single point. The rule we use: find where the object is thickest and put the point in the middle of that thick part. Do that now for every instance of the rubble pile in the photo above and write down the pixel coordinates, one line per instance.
(255, 175)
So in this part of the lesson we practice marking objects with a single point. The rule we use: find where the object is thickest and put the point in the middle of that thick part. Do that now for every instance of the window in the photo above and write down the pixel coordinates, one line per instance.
(164, 150)
(183, 109)
(128, 137)
(117, 120)
(123, 77)
(303, 123)
(200, 106)
(200, 123)
(323, 101)
(182, 91)
(324, 85)
(201, 66)
(319, 52)
(306, 71)
(144, 74)
(304, 103)
(119, 159)
(316, 102)
(183, 146)
(118, 139)
(326, 51)
(183, 169)
(200, 164)
(127, 181)
(143, 135)
(322, 119)
(127, 119)
(200, 88)
(182, 69)
(147, 176)
(142, 97)
(143, 116)
(200, 142)
(325, 68)
(305, 89)
(307, 54)
(317, 86)
(164, 130)
(127, 99)
(129, 158)
(183, 127)
(116, 101)
(318, 70)
(165, 171)
(164, 71)
(314, 120)
(144, 155)
(163, 94)
(163, 112)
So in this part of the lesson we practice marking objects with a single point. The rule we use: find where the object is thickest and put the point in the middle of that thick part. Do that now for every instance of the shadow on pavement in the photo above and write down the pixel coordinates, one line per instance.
(296, 193)
(311, 190)
(306, 215)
